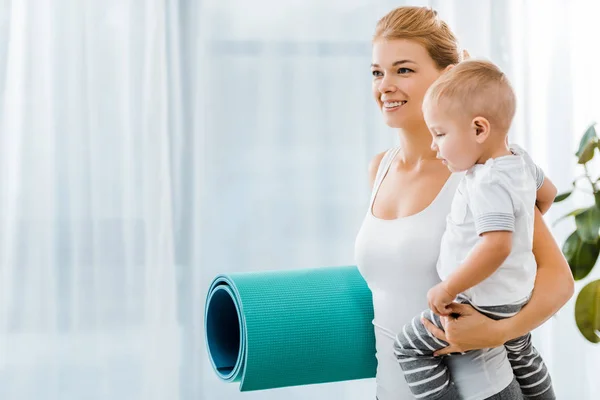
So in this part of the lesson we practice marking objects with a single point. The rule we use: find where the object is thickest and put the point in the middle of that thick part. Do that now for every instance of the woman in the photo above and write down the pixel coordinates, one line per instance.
(398, 243)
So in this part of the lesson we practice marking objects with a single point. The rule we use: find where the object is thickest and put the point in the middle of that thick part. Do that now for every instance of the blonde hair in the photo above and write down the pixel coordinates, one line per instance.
(477, 88)
(422, 25)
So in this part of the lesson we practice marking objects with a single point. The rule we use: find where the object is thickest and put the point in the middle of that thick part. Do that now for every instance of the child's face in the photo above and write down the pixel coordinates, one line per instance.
(453, 138)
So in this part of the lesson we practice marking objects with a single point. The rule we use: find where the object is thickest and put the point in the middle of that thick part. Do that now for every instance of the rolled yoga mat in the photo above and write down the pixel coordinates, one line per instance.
(287, 328)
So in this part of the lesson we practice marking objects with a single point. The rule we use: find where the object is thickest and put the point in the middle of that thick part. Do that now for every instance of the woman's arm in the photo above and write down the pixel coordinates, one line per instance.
(554, 286)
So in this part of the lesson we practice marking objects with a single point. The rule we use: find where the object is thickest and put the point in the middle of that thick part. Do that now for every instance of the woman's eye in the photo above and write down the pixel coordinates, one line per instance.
(405, 70)
(377, 73)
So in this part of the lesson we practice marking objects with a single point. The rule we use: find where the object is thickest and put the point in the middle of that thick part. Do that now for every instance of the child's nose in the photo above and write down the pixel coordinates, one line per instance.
(433, 146)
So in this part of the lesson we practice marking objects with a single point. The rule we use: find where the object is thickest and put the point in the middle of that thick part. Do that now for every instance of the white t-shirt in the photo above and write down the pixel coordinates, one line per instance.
(496, 196)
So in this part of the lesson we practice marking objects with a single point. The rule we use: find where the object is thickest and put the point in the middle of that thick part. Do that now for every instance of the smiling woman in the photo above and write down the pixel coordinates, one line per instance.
(395, 87)
(398, 244)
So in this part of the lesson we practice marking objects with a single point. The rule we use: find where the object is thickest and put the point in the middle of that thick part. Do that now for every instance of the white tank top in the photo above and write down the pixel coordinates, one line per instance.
(398, 259)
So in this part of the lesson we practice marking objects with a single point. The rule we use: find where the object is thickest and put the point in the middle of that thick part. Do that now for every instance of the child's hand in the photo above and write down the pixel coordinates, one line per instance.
(439, 298)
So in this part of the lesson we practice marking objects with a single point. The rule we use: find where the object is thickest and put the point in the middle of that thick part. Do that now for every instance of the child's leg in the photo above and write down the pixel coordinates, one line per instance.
(526, 362)
(530, 369)
(427, 376)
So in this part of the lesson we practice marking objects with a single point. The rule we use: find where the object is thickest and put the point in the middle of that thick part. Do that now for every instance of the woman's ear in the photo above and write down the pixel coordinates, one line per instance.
(482, 129)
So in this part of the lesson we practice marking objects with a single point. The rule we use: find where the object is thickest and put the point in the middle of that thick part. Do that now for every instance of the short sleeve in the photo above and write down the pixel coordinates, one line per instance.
(536, 171)
(492, 206)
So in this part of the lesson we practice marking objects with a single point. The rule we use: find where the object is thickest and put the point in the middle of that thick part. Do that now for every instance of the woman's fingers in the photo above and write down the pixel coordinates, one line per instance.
(447, 350)
(465, 55)
(458, 308)
(468, 329)
(438, 333)
(435, 331)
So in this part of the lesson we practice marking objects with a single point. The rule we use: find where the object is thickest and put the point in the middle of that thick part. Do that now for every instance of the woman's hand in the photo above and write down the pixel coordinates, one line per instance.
(471, 330)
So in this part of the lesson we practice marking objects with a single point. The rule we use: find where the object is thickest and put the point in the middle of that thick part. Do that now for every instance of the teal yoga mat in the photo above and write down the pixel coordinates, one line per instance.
(287, 328)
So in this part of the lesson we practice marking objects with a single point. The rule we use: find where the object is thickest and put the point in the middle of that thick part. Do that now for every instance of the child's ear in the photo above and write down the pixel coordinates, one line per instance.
(481, 126)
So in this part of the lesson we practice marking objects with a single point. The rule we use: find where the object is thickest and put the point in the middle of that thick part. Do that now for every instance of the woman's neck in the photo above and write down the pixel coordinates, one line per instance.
(416, 145)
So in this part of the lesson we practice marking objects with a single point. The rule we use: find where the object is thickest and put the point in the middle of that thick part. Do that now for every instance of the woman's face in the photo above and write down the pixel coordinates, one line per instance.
(402, 72)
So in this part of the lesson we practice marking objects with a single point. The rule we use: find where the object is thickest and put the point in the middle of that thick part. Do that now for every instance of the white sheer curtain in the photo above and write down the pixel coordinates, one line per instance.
(147, 145)
(92, 291)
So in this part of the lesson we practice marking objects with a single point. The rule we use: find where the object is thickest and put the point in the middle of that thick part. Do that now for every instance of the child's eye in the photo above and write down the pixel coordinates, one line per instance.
(377, 73)
(439, 135)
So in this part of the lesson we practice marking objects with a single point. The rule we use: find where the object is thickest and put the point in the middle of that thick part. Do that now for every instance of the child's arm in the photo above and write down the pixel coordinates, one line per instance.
(489, 197)
(487, 256)
(489, 253)
(546, 191)
(545, 196)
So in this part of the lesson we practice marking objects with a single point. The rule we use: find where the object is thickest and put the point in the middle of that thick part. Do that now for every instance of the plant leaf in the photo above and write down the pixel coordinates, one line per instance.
(562, 196)
(580, 255)
(571, 214)
(588, 224)
(587, 145)
(588, 152)
(587, 311)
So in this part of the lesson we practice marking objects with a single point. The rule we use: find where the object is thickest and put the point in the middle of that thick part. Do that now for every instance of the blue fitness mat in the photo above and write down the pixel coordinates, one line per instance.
(287, 328)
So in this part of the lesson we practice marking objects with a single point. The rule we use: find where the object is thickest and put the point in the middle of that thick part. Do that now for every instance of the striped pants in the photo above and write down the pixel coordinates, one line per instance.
(428, 376)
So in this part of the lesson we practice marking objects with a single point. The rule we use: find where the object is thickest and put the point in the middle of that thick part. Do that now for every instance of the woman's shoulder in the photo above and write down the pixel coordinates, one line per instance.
(376, 162)
(374, 166)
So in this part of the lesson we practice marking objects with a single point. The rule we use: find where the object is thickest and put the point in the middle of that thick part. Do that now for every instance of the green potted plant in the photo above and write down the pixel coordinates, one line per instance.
(582, 247)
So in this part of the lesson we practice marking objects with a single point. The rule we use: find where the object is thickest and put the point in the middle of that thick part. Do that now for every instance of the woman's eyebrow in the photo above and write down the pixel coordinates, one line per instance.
(399, 62)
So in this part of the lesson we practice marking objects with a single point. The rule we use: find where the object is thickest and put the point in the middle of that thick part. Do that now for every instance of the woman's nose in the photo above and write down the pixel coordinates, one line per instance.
(386, 85)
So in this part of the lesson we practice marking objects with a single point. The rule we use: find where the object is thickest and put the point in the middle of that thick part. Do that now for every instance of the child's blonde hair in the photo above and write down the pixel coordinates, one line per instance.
(477, 88)
(422, 25)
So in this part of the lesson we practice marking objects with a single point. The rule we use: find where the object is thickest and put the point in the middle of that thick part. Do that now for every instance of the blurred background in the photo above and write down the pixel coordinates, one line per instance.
(148, 145)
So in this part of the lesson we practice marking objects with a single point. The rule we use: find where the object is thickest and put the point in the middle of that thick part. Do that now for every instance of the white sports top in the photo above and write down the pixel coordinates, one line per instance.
(398, 259)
